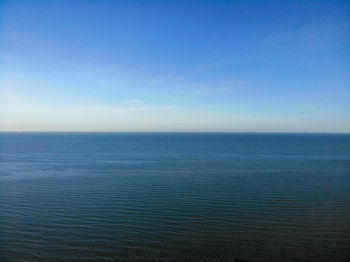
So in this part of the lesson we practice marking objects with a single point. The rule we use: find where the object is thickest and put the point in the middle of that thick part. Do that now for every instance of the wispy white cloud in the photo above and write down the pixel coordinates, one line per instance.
(191, 87)
(132, 102)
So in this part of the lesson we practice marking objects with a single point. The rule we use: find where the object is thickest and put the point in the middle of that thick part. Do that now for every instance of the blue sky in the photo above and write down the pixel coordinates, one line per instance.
(255, 66)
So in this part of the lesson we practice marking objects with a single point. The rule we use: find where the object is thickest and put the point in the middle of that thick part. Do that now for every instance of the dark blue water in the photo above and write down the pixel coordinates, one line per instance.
(174, 197)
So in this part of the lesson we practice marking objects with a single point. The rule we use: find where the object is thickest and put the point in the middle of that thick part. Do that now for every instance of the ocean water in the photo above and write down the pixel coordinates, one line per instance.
(174, 197)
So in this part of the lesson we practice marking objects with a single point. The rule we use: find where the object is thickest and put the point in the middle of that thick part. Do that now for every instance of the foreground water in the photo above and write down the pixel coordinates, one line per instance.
(174, 197)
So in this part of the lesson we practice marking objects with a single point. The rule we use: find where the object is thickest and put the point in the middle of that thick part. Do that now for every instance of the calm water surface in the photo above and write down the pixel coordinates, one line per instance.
(174, 197)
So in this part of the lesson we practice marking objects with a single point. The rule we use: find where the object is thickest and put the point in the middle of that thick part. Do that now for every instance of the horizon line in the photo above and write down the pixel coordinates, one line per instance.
(189, 132)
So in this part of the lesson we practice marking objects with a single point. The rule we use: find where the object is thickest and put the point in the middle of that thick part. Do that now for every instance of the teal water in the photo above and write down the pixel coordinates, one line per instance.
(174, 197)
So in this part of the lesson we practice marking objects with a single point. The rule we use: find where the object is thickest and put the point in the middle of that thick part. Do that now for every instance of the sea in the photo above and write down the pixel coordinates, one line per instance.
(174, 197)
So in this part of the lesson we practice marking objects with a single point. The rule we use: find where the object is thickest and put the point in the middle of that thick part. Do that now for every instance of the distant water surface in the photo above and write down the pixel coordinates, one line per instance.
(174, 197)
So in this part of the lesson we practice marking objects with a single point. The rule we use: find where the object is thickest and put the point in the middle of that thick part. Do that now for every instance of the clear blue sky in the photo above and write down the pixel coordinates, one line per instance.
(256, 66)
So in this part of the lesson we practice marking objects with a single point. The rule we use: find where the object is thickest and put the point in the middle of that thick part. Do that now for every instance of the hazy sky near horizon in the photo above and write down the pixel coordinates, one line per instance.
(256, 66)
